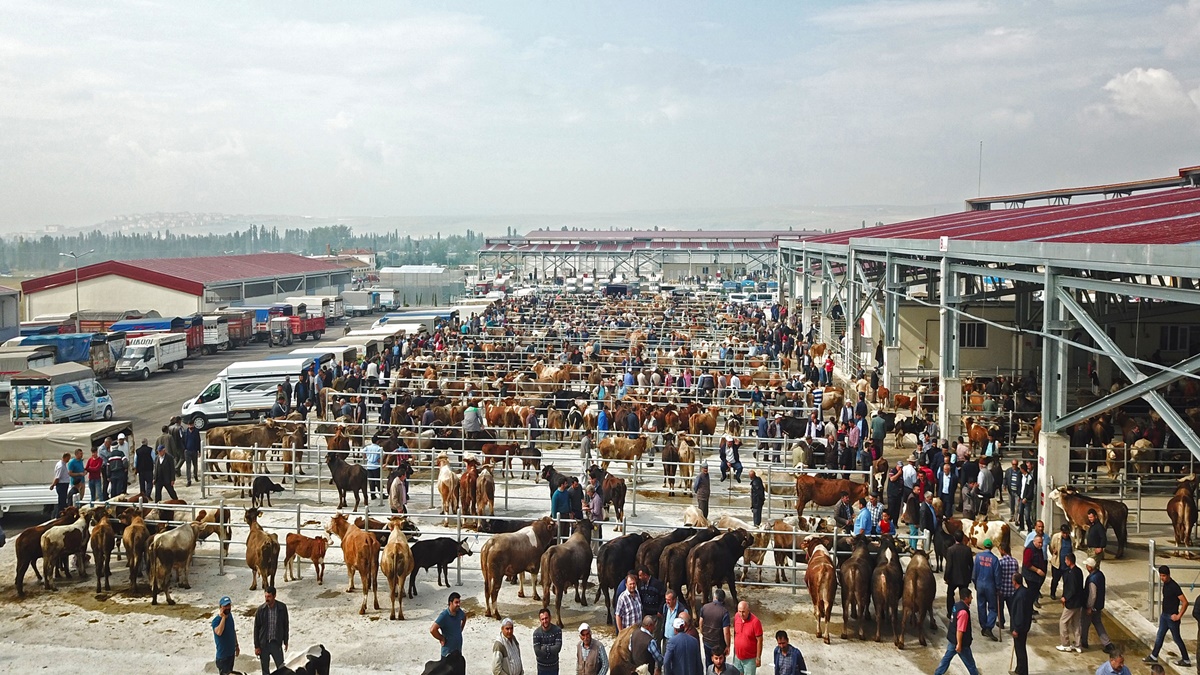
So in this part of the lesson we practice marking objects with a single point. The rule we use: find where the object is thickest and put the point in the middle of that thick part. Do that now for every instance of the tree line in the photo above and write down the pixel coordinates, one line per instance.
(392, 248)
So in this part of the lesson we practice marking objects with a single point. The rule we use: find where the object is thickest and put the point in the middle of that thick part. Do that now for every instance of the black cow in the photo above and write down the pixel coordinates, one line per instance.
(617, 557)
(649, 552)
(503, 525)
(441, 552)
(262, 488)
(712, 563)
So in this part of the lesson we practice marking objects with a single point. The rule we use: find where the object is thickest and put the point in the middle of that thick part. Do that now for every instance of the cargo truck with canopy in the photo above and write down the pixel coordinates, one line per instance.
(28, 456)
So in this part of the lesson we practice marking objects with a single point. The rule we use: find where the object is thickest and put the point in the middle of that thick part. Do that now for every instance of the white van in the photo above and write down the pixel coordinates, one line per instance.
(342, 354)
(152, 353)
(739, 297)
(243, 391)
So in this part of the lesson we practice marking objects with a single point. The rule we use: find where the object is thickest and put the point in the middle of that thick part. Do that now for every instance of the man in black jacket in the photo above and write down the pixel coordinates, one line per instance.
(959, 565)
(1097, 536)
(270, 631)
(1073, 599)
(758, 497)
(1094, 608)
(843, 513)
(1022, 620)
(164, 476)
(143, 464)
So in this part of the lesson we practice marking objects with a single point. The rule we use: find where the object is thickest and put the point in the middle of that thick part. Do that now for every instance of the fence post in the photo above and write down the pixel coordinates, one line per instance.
(1139, 504)
(633, 504)
(221, 524)
(1150, 584)
(768, 493)
(458, 559)
(319, 463)
(203, 465)
(297, 519)
(507, 477)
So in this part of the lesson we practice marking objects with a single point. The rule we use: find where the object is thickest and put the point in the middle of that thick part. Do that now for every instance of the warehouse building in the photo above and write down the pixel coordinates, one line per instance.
(423, 284)
(182, 286)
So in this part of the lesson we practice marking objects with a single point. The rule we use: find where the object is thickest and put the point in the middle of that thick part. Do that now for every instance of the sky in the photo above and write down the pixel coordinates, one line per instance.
(443, 109)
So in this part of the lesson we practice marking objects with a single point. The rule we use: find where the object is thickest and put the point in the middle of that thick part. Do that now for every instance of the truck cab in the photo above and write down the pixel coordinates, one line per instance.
(281, 331)
(149, 354)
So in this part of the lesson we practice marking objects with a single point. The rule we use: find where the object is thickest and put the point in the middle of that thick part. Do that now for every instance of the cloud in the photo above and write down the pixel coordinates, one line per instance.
(891, 14)
(1152, 94)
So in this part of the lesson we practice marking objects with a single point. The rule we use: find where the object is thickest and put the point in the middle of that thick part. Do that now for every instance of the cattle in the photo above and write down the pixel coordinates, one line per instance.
(262, 488)
(468, 486)
(1143, 456)
(503, 452)
(218, 522)
(361, 553)
(438, 552)
(382, 531)
(703, 423)
(628, 450)
(855, 580)
(298, 546)
(712, 563)
(136, 538)
(909, 425)
(448, 486)
(977, 434)
(1111, 513)
(241, 469)
(397, 565)
(28, 546)
(347, 477)
(976, 531)
(920, 587)
(786, 535)
(821, 579)
(294, 444)
(65, 540)
(650, 551)
(887, 587)
(262, 551)
(503, 525)
(678, 456)
(553, 477)
(673, 562)
(511, 556)
(694, 517)
(755, 554)
(1115, 454)
(531, 461)
(825, 491)
(614, 560)
(101, 540)
(485, 491)
(262, 436)
(169, 551)
(565, 564)
(1182, 511)
(612, 490)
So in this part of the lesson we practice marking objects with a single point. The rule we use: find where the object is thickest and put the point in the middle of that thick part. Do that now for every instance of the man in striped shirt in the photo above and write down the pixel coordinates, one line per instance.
(1008, 567)
(629, 608)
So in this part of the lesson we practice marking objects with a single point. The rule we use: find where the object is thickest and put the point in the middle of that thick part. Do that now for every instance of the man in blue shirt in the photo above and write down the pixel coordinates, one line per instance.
(863, 523)
(225, 635)
(374, 456)
(447, 628)
(560, 501)
(986, 574)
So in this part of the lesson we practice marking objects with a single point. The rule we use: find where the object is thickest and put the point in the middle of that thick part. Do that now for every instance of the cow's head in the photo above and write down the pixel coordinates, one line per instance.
(463, 548)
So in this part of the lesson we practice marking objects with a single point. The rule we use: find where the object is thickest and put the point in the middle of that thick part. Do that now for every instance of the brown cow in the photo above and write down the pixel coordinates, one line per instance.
(262, 552)
(887, 587)
(300, 546)
(512, 555)
(755, 554)
(672, 562)
(1111, 513)
(856, 587)
(628, 450)
(28, 546)
(650, 551)
(361, 553)
(169, 551)
(704, 423)
(447, 485)
(977, 434)
(102, 540)
(825, 491)
(65, 540)
(397, 564)
(565, 564)
(1182, 511)
(821, 579)
(485, 492)
(468, 486)
(136, 538)
(218, 522)
(920, 587)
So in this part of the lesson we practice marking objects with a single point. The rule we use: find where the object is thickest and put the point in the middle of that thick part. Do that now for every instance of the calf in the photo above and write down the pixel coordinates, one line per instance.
(262, 552)
(28, 546)
(977, 531)
(136, 538)
(64, 540)
(397, 563)
(300, 546)
(440, 552)
(101, 540)
(169, 551)
(262, 488)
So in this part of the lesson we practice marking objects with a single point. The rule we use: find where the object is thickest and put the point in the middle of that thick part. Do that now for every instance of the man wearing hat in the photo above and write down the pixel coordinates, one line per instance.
(225, 635)
(682, 656)
(506, 652)
(590, 656)
(1093, 607)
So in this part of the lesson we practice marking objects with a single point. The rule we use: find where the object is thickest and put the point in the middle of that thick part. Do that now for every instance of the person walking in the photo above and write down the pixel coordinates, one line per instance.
(1094, 607)
(373, 463)
(191, 452)
(788, 659)
(985, 573)
(225, 635)
(682, 656)
(714, 626)
(143, 466)
(61, 483)
(1073, 599)
(1115, 665)
(958, 636)
(1097, 536)
(1060, 548)
(506, 652)
(590, 656)
(1009, 567)
(747, 640)
(702, 488)
(1012, 486)
(959, 567)
(1021, 613)
(547, 643)
(1174, 602)
(758, 497)
(447, 628)
(270, 631)
(117, 467)
(164, 476)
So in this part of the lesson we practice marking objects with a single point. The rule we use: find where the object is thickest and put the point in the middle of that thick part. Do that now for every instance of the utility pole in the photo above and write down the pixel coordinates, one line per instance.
(75, 257)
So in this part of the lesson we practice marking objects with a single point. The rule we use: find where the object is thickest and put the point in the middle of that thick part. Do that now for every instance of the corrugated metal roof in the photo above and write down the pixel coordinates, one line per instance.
(413, 269)
(191, 275)
(1167, 217)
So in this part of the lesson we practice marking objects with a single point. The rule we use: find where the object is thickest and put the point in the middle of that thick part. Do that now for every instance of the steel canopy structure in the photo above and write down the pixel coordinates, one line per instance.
(1072, 276)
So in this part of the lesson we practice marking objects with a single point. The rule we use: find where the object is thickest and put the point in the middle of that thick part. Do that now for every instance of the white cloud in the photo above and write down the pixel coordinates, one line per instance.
(1152, 94)
(890, 13)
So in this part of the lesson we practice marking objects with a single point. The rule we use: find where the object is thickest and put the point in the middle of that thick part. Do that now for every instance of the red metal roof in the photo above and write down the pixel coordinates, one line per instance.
(190, 275)
(1167, 217)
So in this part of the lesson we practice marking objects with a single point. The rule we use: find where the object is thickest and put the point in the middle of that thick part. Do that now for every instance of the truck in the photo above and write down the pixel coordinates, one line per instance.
(305, 326)
(332, 306)
(368, 346)
(151, 353)
(216, 333)
(99, 351)
(28, 455)
(359, 303)
(66, 392)
(242, 392)
(14, 360)
(263, 316)
(342, 354)
(389, 299)
(191, 326)
(280, 328)
(240, 324)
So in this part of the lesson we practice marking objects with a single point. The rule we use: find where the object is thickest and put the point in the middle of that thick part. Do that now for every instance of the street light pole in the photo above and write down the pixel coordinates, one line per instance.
(75, 257)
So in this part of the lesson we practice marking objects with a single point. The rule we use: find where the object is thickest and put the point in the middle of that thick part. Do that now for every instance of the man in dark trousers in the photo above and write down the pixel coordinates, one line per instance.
(1094, 608)
(1174, 602)
(1021, 609)
(701, 487)
(164, 476)
(143, 464)
(1073, 599)
(959, 566)
(191, 452)
(270, 631)
(758, 497)
(958, 635)
(1097, 537)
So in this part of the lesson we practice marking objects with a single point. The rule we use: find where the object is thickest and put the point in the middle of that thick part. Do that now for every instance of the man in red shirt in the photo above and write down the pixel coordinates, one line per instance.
(747, 640)
(94, 468)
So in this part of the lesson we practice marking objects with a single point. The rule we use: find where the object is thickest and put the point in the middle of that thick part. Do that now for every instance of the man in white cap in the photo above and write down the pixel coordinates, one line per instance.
(591, 659)
(506, 652)
(1094, 606)
(682, 656)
